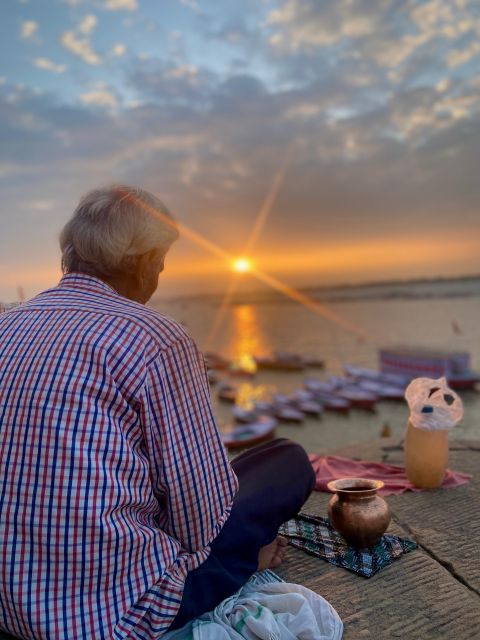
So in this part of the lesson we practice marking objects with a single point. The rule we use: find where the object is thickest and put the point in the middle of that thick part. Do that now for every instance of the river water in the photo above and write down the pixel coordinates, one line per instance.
(445, 317)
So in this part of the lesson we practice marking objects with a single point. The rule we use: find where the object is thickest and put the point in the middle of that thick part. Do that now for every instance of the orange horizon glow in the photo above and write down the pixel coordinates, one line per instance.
(331, 265)
(346, 259)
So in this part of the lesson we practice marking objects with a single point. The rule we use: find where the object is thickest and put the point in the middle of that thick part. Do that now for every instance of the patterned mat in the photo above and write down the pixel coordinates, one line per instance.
(316, 536)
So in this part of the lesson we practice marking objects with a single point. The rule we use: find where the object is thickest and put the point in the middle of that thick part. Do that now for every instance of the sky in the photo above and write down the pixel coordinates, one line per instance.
(350, 128)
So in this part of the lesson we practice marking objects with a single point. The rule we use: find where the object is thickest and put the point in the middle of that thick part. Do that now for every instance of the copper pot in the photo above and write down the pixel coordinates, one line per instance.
(357, 512)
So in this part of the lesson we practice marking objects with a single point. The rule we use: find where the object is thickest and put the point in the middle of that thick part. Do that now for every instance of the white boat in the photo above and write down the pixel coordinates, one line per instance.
(383, 391)
(244, 415)
(346, 390)
(318, 386)
(265, 408)
(363, 373)
(302, 395)
(360, 372)
(310, 408)
(331, 402)
(280, 399)
(289, 414)
(251, 434)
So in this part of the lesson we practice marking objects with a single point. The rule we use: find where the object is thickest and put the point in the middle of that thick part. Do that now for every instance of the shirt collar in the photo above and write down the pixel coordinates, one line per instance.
(86, 282)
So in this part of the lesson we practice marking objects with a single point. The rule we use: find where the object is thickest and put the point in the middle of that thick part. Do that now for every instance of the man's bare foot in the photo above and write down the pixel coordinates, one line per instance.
(272, 555)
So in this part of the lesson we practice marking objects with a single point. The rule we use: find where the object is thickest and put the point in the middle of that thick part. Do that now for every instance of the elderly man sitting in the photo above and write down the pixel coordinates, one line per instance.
(121, 516)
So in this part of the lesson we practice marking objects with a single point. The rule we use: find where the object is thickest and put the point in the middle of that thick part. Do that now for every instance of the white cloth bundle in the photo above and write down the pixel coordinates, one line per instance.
(268, 611)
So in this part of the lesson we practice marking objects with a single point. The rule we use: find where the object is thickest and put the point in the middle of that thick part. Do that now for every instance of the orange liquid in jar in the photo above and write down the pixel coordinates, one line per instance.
(426, 456)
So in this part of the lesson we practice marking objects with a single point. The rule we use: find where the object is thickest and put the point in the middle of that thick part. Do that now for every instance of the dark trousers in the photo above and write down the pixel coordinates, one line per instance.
(275, 480)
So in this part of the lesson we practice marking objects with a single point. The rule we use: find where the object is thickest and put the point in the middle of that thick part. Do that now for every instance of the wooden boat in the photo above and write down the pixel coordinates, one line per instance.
(245, 366)
(265, 362)
(251, 434)
(314, 385)
(332, 402)
(310, 408)
(244, 415)
(281, 361)
(430, 363)
(265, 408)
(383, 391)
(312, 362)
(372, 375)
(227, 393)
(358, 398)
(302, 395)
(215, 361)
(280, 399)
(347, 389)
(360, 372)
(212, 377)
(288, 413)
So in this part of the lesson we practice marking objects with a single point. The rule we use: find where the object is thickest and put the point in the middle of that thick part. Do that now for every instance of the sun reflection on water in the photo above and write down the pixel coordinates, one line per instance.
(248, 394)
(248, 338)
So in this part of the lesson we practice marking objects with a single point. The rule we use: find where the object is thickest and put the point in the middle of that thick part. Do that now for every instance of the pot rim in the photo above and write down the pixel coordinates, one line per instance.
(355, 486)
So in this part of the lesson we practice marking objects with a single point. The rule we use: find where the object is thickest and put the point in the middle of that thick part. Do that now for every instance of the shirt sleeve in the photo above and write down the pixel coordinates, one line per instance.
(192, 476)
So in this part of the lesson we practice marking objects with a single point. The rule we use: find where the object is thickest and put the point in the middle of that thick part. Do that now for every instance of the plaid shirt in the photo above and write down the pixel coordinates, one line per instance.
(113, 477)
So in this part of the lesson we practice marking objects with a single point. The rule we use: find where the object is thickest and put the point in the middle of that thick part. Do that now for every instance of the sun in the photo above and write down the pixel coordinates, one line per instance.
(242, 265)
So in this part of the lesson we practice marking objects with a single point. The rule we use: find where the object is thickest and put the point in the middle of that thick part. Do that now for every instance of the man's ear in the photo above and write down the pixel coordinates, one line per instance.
(143, 261)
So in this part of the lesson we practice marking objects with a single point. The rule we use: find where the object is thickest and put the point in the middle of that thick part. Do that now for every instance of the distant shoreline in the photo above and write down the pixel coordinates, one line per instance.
(439, 287)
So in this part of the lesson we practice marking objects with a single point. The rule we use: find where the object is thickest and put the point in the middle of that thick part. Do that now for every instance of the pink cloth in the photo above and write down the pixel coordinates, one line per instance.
(334, 467)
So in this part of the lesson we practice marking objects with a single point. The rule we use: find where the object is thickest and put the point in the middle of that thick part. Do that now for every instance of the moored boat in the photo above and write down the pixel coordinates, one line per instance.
(244, 415)
(332, 402)
(227, 393)
(215, 361)
(279, 364)
(318, 386)
(360, 374)
(358, 398)
(310, 408)
(248, 435)
(288, 413)
(383, 391)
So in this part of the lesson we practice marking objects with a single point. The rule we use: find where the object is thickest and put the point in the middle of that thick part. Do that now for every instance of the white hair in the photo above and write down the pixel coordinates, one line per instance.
(111, 227)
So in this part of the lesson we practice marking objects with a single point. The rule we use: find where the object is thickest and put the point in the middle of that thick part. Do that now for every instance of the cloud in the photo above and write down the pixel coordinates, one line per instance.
(78, 40)
(118, 5)
(461, 56)
(388, 36)
(28, 29)
(118, 49)
(99, 98)
(80, 47)
(307, 24)
(187, 72)
(48, 65)
(192, 4)
(180, 83)
(383, 136)
(88, 24)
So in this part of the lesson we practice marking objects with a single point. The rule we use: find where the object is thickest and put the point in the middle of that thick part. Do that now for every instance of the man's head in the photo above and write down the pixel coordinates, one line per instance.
(120, 234)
